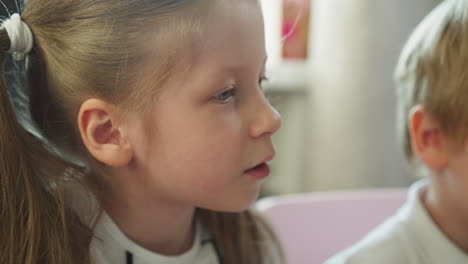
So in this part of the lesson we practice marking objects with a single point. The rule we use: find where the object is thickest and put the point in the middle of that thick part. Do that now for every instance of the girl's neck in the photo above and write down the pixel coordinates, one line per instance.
(447, 210)
(158, 226)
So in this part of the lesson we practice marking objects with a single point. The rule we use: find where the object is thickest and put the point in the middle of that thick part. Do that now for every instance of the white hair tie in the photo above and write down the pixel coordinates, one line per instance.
(21, 37)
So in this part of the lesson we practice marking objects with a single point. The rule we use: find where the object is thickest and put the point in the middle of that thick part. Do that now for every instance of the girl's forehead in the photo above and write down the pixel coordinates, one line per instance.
(230, 39)
(224, 23)
(235, 33)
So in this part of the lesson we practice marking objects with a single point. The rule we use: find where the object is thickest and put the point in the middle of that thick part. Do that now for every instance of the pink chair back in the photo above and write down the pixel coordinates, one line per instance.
(314, 226)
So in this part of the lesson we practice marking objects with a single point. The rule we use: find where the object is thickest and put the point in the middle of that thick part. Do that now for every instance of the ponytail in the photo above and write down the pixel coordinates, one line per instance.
(242, 237)
(35, 224)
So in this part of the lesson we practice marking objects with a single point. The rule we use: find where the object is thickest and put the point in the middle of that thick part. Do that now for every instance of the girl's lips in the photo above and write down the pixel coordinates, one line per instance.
(259, 172)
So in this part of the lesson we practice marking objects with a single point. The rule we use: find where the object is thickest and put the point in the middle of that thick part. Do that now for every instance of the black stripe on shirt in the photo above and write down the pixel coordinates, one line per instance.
(129, 257)
(216, 248)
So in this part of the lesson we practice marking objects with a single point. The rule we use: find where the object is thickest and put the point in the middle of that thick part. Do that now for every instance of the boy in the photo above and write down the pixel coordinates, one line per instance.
(432, 81)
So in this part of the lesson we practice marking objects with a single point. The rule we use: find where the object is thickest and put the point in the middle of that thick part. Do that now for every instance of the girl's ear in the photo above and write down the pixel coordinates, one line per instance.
(102, 133)
(427, 140)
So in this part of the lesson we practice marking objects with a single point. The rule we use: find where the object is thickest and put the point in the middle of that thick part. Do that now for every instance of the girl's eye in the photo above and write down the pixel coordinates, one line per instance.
(226, 96)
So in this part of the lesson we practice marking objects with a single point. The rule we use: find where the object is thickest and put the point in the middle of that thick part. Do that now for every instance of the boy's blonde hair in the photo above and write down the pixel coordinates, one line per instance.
(433, 71)
(83, 49)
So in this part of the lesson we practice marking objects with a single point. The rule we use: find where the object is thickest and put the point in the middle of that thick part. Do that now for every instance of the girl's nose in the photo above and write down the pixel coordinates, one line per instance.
(267, 120)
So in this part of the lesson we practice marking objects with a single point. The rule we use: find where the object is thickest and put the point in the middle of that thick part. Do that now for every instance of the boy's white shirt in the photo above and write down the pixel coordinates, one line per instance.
(408, 237)
(110, 246)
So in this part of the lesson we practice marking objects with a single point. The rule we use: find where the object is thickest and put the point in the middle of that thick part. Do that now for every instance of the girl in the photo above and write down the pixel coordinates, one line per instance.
(134, 131)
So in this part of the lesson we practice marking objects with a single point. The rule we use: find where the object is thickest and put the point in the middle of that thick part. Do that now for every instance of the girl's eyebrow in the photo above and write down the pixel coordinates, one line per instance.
(229, 68)
(218, 74)
(222, 73)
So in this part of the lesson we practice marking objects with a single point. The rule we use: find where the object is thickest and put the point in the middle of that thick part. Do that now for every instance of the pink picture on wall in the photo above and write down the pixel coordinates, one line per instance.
(295, 28)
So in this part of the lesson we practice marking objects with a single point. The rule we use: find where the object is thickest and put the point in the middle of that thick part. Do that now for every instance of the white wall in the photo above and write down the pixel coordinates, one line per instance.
(354, 48)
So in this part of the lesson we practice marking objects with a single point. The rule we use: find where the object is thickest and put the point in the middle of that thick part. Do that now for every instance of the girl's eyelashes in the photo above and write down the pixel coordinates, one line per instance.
(262, 80)
(226, 96)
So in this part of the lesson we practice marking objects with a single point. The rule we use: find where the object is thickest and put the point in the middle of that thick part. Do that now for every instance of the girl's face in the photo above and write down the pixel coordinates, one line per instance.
(211, 124)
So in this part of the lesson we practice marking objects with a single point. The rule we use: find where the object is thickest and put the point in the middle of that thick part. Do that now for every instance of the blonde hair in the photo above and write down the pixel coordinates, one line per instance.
(433, 71)
(92, 48)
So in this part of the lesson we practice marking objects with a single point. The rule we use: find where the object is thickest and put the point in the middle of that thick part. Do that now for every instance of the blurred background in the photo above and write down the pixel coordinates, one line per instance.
(331, 66)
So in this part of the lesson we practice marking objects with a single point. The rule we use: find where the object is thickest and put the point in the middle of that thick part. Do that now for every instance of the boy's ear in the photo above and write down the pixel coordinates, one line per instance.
(427, 140)
(102, 133)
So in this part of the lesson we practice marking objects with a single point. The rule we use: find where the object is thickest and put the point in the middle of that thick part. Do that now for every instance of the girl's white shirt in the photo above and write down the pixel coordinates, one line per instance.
(111, 246)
